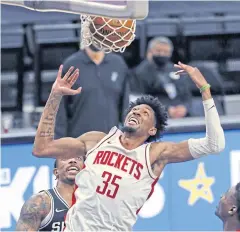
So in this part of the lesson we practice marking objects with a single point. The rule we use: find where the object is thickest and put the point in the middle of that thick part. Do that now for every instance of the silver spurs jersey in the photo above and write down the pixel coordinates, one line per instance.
(54, 221)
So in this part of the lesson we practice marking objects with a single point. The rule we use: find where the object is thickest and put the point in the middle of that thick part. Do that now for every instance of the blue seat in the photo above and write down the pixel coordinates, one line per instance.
(12, 66)
(202, 26)
(162, 26)
(53, 44)
(197, 106)
(210, 71)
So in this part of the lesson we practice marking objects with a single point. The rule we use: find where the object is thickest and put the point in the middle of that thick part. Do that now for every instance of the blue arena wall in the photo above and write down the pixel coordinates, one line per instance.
(185, 197)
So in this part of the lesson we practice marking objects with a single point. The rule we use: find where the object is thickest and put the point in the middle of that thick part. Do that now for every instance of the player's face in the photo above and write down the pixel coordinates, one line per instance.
(67, 169)
(227, 204)
(141, 119)
(162, 49)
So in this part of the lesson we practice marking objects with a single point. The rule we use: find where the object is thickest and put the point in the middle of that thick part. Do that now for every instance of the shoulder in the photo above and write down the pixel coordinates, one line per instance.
(144, 63)
(91, 139)
(39, 203)
(73, 58)
(156, 151)
(40, 197)
(143, 66)
(155, 146)
(112, 57)
(92, 136)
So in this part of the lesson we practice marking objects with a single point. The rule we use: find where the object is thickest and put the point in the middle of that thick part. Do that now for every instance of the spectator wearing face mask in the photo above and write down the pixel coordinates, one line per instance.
(156, 76)
(105, 93)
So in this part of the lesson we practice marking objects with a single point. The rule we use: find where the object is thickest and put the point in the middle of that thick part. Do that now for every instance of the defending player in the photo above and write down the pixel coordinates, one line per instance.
(46, 210)
(228, 209)
(122, 167)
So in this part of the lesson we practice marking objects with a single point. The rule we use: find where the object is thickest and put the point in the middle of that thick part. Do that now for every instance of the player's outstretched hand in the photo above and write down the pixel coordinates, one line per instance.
(63, 86)
(193, 72)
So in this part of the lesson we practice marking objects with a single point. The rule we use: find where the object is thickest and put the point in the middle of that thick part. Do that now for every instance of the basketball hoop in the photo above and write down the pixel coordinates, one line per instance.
(107, 34)
(113, 33)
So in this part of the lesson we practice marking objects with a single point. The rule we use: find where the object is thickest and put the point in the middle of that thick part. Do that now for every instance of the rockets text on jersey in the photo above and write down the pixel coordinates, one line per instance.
(112, 187)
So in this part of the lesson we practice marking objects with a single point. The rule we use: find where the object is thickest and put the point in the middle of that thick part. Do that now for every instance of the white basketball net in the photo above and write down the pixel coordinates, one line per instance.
(89, 37)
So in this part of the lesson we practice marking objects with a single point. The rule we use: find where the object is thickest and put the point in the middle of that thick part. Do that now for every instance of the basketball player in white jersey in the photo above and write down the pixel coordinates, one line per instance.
(122, 167)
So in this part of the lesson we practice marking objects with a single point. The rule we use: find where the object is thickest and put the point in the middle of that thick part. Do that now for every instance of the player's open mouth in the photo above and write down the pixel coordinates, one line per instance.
(133, 121)
(73, 169)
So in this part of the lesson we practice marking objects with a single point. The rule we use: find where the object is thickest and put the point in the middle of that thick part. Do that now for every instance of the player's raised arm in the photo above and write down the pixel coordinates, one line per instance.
(212, 143)
(33, 212)
(44, 144)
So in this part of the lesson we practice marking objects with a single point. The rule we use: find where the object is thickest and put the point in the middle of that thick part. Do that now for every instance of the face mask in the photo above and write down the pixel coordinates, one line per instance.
(161, 60)
(94, 48)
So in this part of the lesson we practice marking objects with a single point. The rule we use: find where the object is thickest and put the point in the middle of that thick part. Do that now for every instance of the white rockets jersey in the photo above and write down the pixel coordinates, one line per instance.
(112, 187)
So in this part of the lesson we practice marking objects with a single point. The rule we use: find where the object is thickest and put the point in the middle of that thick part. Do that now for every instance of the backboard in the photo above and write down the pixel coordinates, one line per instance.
(121, 9)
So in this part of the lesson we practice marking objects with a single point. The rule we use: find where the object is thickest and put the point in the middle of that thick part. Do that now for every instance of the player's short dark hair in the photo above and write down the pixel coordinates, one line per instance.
(238, 200)
(160, 112)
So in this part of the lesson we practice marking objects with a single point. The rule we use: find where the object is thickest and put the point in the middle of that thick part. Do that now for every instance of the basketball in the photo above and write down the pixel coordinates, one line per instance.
(114, 33)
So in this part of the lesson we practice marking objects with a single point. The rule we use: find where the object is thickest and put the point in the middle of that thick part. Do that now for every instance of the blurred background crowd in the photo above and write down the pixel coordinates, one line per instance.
(34, 44)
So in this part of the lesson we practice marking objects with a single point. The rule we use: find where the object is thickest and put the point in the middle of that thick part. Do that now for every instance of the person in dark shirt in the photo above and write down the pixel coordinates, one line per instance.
(46, 210)
(104, 79)
(156, 76)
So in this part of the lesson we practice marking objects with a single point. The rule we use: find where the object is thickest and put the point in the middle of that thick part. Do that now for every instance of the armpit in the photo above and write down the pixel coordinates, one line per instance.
(157, 167)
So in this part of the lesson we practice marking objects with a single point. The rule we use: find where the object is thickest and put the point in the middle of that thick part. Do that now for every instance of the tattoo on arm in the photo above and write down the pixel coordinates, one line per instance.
(48, 123)
(48, 120)
(45, 132)
(33, 212)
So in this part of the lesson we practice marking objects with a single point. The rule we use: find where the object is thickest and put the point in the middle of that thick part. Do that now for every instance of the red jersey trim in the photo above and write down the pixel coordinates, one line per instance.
(150, 194)
(73, 199)
(84, 166)
(148, 163)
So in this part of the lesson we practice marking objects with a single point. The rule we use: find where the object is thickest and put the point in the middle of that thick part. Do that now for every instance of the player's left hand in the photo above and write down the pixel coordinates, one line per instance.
(193, 72)
(63, 86)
